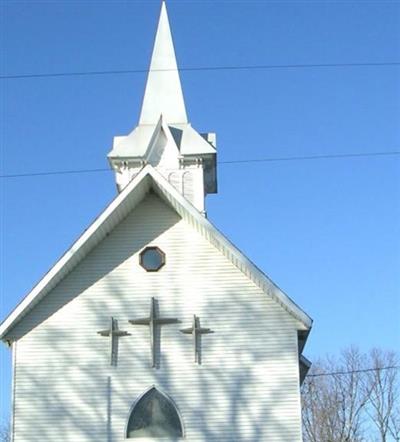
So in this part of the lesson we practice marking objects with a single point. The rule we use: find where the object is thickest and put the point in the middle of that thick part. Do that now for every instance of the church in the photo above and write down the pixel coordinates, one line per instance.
(153, 325)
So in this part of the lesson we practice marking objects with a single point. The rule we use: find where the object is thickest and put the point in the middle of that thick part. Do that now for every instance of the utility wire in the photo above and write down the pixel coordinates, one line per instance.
(312, 157)
(55, 172)
(255, 160)
(344, 2)
(362, 370)
(201, 68)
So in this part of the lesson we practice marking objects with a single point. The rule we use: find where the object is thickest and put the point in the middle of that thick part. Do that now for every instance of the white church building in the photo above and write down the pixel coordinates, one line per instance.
(153, 325)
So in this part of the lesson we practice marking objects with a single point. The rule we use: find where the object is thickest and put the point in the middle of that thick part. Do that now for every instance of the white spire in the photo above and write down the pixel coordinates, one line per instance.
(164, 138)
(163, 94)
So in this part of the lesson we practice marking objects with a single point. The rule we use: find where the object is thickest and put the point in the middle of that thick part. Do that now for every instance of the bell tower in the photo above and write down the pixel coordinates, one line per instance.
(164, 137)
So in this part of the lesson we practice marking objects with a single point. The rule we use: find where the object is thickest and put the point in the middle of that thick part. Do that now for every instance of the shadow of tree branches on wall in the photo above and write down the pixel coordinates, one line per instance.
(246, 388)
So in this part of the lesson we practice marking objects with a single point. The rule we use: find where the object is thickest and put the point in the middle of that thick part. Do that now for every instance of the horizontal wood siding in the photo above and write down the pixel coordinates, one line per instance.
(246, 388)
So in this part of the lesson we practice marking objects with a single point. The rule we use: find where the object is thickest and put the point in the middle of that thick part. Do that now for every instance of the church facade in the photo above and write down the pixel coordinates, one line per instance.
(153, 325)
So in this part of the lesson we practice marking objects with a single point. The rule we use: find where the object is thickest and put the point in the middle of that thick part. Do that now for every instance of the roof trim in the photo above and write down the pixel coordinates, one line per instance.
(191, 214)
(132, 194)
(79, 249)
(304, 367)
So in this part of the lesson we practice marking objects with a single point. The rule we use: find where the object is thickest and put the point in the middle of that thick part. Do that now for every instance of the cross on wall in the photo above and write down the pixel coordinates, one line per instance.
(153, 321)
(113, 333)
(196, 331)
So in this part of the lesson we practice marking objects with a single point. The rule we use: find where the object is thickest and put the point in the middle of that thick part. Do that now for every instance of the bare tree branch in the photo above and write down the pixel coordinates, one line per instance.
(355, 396)
(384, 395)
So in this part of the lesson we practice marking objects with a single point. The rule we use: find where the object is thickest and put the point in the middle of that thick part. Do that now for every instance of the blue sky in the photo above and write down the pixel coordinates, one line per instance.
(326, 231)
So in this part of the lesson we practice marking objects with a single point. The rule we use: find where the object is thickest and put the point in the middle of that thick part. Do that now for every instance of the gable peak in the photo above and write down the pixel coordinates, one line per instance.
(162, 150)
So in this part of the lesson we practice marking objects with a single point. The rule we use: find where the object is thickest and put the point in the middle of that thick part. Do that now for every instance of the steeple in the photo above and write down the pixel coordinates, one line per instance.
(163, 94)
(164, 138)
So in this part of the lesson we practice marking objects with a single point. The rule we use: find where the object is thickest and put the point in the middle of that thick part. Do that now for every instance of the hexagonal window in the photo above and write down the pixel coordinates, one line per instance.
(152, 259)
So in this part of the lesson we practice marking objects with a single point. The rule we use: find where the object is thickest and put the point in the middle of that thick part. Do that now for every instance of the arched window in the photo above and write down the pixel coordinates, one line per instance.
(188, 186)
(175, 179)
(154, 415)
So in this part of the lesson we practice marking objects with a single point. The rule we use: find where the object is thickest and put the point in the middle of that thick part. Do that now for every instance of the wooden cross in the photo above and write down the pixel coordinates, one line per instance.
(152, 321)
(113, 333)
(196, 331)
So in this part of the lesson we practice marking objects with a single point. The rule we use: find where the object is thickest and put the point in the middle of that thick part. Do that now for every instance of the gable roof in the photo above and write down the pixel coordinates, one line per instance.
(118, 209)
(136, 144)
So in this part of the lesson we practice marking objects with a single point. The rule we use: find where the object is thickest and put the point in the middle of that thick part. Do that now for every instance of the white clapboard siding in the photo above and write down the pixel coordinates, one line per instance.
(246, 389)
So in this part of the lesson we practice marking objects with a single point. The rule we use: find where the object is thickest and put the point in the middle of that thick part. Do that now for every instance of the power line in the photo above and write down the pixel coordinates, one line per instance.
(55, 172)
(201, 1)
(201, 68)
(341, 2)
(255, 160)
(362, 370)
(313, 157)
